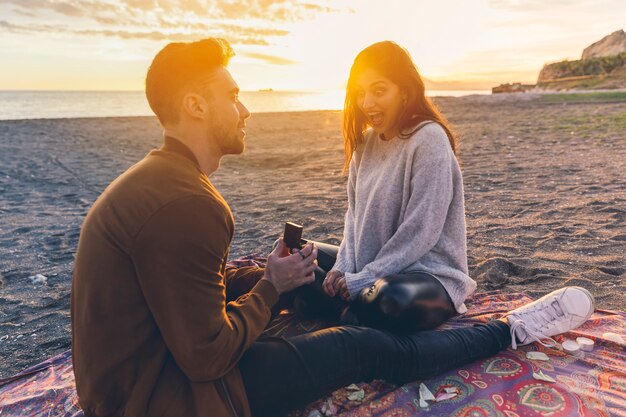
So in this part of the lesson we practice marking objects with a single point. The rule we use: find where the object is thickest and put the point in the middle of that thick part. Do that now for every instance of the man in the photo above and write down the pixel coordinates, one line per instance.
(151, 326)
(153, 333)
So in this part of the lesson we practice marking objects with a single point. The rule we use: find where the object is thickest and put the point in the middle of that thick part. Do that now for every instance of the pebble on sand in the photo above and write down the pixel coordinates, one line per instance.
(39, 279)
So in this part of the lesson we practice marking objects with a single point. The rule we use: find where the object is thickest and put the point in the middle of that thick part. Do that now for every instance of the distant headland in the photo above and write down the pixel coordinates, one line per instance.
(602, 66)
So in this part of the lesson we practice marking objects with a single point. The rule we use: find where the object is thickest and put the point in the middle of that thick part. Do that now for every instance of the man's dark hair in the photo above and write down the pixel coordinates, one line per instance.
(180, 68)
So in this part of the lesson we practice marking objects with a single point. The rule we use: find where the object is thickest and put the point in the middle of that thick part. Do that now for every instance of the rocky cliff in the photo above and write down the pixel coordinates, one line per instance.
(613, 44)
(603, 67)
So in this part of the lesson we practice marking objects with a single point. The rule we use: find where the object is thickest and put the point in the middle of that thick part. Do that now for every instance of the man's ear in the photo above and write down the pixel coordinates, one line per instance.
(195, 105)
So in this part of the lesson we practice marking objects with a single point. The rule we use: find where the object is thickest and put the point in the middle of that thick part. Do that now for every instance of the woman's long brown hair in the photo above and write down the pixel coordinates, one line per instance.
(393, 62)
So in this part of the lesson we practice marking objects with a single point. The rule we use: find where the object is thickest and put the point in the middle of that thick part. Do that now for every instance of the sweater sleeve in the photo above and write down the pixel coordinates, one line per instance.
(431, 192)
(179, 256)
(346, 261)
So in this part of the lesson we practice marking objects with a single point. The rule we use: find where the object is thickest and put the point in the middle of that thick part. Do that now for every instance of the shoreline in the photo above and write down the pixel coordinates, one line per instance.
(153, 116)
(530, 95)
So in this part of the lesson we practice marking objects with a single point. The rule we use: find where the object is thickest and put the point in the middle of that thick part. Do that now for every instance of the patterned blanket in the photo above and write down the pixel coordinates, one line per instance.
(586, 384)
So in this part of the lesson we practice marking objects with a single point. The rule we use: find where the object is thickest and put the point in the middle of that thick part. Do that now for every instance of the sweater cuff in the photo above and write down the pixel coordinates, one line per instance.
(341, 266)
(267, 291)
(356, 282)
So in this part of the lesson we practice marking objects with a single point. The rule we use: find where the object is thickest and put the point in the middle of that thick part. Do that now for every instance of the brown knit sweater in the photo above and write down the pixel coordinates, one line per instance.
(153, 334)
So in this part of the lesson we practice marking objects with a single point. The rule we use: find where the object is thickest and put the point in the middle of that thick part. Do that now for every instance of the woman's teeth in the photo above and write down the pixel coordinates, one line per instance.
(376, 118)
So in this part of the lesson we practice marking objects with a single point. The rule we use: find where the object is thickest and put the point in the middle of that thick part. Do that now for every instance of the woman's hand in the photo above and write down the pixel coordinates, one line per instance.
(329, 282)
(341, 288)
(335, 284)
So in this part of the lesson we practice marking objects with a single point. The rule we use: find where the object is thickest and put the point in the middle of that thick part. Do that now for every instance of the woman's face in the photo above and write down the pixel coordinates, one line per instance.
(381, 101)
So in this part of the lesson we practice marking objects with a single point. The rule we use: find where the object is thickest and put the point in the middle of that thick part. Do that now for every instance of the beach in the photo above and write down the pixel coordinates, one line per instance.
(544, 181)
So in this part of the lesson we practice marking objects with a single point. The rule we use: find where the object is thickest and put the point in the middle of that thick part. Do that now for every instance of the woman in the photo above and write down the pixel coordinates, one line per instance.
(405, 220)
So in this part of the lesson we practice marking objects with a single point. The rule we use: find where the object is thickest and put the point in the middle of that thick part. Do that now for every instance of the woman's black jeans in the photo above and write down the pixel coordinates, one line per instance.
(402, 303)
(281, 374)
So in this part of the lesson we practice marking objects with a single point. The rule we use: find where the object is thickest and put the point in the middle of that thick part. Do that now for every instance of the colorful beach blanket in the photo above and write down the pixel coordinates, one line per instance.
(586, 384)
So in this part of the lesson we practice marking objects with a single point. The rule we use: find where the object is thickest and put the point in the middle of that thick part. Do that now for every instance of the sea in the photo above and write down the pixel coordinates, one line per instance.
(16, 105)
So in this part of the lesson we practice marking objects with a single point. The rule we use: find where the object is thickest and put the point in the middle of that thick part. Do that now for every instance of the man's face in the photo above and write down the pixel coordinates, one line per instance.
(227, 115)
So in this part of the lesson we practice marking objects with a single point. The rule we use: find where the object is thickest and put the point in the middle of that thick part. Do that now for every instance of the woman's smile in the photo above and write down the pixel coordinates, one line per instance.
(376, 119)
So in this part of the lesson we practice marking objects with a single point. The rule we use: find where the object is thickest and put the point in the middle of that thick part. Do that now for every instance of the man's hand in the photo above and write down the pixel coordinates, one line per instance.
(335, 284)
(289, 271)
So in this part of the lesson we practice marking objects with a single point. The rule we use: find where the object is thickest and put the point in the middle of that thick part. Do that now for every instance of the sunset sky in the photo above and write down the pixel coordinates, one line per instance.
(287, 45)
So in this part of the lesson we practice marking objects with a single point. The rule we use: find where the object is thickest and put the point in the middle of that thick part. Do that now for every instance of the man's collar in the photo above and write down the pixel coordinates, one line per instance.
(172, 144)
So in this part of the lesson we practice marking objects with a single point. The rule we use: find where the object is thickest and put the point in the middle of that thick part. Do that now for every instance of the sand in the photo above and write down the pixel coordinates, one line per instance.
(545, 199)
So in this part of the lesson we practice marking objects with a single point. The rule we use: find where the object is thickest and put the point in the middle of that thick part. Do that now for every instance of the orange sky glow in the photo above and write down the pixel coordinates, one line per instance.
(294, 45)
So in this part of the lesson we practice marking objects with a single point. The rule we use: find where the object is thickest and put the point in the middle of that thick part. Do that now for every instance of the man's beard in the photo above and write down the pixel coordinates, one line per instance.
(231, 144)
(228, 140)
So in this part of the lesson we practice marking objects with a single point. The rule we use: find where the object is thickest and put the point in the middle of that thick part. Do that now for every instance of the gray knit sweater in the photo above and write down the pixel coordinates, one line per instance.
(406, 213)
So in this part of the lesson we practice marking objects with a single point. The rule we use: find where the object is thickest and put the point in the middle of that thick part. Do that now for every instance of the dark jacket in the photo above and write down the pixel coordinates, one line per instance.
(152, 332)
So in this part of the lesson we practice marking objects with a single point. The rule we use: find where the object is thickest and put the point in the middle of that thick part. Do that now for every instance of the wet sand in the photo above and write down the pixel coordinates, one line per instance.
(545, 199)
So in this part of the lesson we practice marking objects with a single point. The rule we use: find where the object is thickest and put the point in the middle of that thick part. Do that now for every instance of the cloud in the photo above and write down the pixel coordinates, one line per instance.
(271, 11)
(153, 35)
(72, 8)
(162, 20)
(170, 36)
(26, 28)
(241, 38)
(270, 59)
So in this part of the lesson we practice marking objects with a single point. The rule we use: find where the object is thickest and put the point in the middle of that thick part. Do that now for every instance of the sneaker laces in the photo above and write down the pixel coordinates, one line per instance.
(542, 316)
(536, 336)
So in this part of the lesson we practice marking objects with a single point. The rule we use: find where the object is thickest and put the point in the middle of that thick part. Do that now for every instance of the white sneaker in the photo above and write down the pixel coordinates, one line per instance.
(555, 313)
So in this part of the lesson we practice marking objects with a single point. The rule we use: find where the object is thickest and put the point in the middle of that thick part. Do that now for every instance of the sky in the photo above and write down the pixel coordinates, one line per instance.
(304, 45)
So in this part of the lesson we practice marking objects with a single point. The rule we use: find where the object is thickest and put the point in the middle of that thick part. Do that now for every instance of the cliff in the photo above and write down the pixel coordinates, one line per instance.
(603, 67)
(613, 44)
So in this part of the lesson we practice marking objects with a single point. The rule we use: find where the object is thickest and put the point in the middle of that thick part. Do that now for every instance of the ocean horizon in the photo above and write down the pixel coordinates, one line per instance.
(24, 104)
